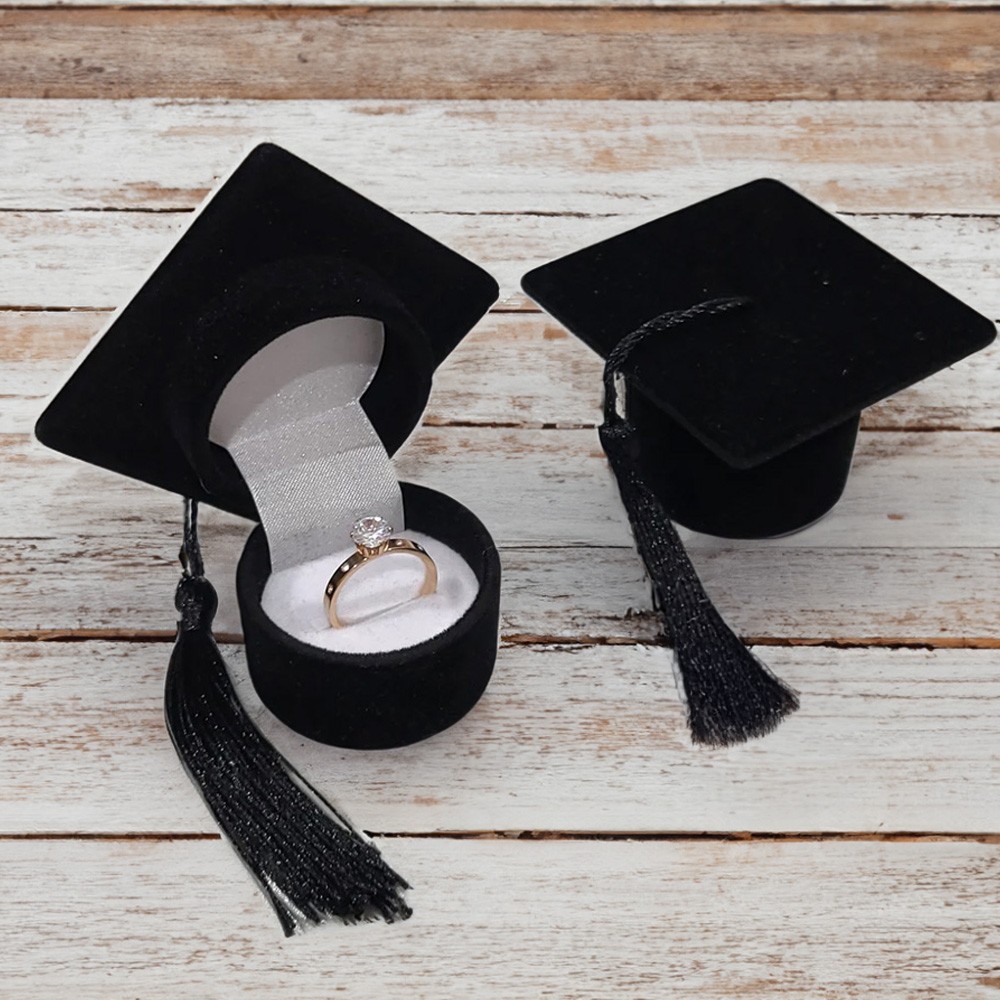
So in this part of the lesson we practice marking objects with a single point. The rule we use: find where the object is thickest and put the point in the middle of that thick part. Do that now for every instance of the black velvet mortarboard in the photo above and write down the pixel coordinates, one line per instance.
(278, 246)
(752, 412)
(749, 331)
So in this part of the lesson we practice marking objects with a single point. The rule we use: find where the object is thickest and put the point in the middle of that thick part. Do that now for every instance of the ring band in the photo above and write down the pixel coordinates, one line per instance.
(373, 537)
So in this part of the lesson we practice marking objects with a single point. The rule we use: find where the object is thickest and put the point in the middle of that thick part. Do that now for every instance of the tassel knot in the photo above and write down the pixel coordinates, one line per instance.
(197, 602)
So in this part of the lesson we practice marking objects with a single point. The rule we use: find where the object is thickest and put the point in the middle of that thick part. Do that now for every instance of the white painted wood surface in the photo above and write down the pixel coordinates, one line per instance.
(581, 732)
(558, 388)
(94, 260)
(937, 596)
(918, 508)
(879, 568)
(574, 738)
(958, 473)
(518, 920)
(571, 158)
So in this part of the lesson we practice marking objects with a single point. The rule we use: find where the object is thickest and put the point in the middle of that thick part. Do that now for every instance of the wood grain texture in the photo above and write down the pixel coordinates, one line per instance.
(957, 503)
(118, 584)
(518, 920)
(557, 387)
(721, 5)
(96, 260)
(575, 158)
(579, 54)
(893, 563)
(581, 732)
(581, 739)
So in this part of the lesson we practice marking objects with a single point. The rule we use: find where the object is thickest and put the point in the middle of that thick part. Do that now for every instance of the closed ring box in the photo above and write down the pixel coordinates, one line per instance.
(746, 417)
(273, 361)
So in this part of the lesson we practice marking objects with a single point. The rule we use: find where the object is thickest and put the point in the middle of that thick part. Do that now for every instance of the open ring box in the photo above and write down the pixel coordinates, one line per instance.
(269, 366)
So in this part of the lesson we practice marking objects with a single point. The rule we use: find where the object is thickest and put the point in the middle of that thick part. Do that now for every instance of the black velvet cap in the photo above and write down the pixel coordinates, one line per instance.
(278, 245)
(761, 402)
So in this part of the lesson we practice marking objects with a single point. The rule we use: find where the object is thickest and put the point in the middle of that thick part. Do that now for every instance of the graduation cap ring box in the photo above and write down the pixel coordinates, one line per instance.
(746, 417)
(270, 365)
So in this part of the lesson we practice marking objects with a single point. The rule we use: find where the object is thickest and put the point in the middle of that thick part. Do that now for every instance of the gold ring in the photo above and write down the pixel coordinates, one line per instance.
(373, 537)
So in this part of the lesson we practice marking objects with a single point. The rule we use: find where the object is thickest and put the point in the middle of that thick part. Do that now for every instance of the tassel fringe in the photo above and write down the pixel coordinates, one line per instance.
(731, 695)
(305, 856)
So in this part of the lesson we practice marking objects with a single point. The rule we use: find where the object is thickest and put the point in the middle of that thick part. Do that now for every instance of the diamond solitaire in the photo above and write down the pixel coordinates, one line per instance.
(371, 531)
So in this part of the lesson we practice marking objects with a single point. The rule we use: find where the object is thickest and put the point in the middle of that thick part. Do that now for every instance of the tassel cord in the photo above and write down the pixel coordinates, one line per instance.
(246, 810)
(731, 695)
(243, 744)
(283, 851)
(257, 820)
(657, 539)
(306, 857)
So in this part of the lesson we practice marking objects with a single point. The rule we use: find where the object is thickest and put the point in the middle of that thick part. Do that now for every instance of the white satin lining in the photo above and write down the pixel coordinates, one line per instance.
(291, 419)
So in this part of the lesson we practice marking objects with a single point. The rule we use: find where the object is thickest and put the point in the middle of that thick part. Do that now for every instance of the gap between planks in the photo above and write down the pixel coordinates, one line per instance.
(743, 837)
(235, 639)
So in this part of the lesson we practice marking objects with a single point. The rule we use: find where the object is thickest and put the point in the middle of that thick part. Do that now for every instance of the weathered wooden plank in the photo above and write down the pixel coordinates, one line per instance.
(518, 920)
(539, 376)
(489, 4)
(578, 157)
(98, 259)
(584, 739)
(89, 550)
(120, 583)
(565, 491)
(593, 53)
(932, 596)
(891, 563)
(581, 738)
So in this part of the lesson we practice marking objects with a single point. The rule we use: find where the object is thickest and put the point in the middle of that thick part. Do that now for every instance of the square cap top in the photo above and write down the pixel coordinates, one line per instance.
(832, 323)
(278, 245)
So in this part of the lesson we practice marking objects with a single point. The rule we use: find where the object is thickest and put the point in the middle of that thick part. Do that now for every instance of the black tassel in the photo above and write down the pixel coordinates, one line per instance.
(731, 695)
(306, 857)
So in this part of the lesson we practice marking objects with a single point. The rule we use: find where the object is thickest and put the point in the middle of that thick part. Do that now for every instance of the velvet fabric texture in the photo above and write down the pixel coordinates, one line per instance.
(704, 493)
(747, 419)
(278, 245)
(258, 309)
